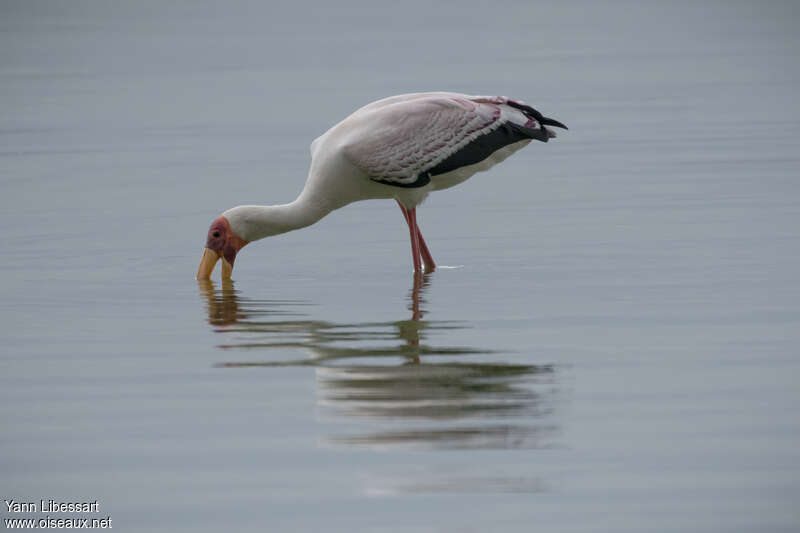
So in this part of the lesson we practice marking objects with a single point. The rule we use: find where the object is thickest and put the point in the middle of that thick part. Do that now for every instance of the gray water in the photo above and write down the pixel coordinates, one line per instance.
(616, 351)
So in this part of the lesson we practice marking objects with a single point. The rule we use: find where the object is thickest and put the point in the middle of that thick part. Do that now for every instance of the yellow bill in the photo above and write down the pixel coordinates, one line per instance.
(209, 261)
(227, 269)
(207, 264)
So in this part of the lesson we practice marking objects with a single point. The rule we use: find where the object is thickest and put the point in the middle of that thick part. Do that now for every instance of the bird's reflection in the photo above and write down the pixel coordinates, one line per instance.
(415, 393)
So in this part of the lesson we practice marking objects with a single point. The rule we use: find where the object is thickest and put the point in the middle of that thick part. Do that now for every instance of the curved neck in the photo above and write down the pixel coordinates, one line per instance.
(254, 222)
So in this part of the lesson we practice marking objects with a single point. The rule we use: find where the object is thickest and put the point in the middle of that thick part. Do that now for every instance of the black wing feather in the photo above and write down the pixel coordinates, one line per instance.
(532, 113)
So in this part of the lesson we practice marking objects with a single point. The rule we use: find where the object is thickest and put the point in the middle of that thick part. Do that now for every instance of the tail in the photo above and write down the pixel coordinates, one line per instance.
(532, 113)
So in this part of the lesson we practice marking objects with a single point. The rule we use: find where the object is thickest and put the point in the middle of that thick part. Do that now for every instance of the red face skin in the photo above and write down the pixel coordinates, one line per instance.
(224, 241)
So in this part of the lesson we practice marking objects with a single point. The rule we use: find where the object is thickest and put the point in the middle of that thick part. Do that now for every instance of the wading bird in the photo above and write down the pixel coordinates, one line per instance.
(402, 147)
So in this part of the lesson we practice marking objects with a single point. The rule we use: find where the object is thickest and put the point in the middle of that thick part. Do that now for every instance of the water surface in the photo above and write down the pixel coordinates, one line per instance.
(617, 350)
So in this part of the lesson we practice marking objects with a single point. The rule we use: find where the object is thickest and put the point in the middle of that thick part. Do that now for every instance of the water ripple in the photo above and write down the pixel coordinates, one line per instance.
(401, 389)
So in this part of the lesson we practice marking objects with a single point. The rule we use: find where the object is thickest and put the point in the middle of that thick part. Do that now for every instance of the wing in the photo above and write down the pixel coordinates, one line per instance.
(404, 140)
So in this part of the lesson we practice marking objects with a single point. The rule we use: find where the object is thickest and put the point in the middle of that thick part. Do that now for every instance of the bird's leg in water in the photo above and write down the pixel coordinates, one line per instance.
(427, 258)
(414, 231)
(411, 219)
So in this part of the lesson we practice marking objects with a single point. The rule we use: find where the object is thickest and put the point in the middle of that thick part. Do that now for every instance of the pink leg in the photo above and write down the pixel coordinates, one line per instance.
(414, 232)
(427, 258)
(422, 248)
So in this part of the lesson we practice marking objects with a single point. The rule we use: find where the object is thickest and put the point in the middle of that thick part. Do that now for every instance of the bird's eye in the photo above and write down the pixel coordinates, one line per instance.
(215, 234)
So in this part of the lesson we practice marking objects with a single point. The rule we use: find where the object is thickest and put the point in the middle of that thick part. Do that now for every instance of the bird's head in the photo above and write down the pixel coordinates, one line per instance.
(222, 242)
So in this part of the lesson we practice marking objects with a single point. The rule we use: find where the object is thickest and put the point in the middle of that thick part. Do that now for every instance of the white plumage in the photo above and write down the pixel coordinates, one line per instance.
(402, 147)
(415, 135)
